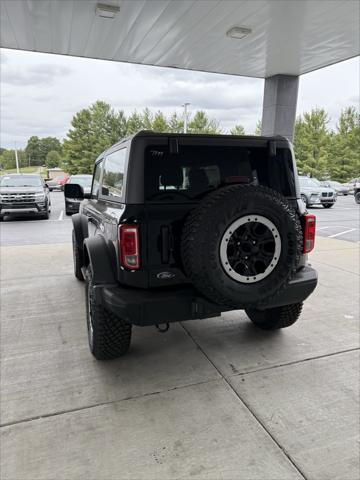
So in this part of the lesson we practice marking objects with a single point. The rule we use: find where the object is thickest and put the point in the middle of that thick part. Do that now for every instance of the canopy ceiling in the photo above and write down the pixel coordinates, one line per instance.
(287, 37)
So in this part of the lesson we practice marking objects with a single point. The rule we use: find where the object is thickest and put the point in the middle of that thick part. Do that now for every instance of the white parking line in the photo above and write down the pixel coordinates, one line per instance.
(342, 233)
(322, 228)
(61, 215)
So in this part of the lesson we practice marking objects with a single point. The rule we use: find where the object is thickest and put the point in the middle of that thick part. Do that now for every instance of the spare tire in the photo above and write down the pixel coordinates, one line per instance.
(241, 245)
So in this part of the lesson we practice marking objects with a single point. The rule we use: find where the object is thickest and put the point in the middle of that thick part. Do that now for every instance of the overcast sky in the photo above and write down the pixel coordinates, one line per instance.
(40, 92)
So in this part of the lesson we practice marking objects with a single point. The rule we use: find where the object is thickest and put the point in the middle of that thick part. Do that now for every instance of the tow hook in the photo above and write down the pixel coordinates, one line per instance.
(164, 328)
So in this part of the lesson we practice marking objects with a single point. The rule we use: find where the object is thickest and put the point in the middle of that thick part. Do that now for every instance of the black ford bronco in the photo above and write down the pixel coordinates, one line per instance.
(180, 227)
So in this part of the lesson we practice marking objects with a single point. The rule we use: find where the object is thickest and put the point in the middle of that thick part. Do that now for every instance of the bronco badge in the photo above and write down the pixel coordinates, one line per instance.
(165, 275)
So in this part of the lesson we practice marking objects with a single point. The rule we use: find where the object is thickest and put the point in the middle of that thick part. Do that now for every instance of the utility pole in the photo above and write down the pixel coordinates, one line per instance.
(16, 160)
(185, 116)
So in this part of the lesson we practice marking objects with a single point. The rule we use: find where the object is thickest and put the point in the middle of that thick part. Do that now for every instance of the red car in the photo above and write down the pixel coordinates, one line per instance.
(62, 180)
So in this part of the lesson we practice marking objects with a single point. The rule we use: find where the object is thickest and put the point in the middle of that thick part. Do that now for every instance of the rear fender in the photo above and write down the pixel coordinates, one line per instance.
(101, 256)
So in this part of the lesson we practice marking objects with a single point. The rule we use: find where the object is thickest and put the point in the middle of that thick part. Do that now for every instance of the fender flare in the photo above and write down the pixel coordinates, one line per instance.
(81, 229)
(101, 256)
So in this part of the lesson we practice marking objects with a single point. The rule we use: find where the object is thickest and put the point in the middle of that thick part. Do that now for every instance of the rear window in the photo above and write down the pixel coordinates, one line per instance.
(197, 170)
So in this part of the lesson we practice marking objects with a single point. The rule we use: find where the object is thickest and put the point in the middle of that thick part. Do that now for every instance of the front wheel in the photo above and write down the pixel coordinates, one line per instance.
(357, 198)
(328, 205)
(275, 318)
(109, 336)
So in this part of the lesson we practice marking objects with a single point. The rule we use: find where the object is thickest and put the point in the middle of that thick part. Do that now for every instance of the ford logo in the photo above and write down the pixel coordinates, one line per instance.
(165, 275)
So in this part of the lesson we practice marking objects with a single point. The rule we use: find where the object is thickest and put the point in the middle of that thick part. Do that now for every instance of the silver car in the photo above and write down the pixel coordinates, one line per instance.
(312, 193)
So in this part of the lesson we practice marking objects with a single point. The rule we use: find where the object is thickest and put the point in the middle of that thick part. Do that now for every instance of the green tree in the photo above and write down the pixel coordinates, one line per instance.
(37, 148)
(147, 119)
(175, 123)
(49, 144)
(8, 162)
(135, 123)
(159, 123)
(93, 130)
(312, 143)
(258, 127)
(237, 130)
(200, 123)
(34, 151)
(53, 159)
(344, 157)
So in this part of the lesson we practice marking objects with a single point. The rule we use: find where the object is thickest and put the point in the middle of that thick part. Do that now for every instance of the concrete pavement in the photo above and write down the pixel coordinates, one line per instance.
(210, 399)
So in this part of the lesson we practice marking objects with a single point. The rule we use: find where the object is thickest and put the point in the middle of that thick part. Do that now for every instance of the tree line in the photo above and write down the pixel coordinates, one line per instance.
(320, 151)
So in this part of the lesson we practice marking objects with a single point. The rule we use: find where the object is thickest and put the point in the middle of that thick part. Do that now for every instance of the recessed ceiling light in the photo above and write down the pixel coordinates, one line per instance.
(106, 11)
(238, 32)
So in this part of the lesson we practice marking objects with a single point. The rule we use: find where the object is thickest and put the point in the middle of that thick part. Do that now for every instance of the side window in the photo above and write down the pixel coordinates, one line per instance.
(96, 180)
(112, 181)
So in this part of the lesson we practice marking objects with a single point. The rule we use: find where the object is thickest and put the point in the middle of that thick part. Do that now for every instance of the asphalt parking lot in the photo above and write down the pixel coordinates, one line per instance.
(210, 399)
(341, 221)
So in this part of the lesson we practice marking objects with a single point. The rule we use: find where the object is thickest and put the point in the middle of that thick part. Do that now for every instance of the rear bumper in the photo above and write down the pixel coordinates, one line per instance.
(152, 307)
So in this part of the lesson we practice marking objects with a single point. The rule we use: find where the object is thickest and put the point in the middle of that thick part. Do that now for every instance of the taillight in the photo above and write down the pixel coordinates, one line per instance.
(309, 232)
(129, 246)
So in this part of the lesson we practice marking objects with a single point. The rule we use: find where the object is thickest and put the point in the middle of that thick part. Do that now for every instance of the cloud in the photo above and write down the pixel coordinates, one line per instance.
(36, 75)
(42, 92)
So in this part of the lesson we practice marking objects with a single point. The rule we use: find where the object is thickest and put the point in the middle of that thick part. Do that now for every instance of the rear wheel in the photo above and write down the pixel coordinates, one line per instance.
(357, 197)
(109, 336)
(275, 318)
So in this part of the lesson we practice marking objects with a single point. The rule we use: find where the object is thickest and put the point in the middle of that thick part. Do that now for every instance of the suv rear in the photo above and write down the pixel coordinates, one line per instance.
(24, 194)
(180, 227)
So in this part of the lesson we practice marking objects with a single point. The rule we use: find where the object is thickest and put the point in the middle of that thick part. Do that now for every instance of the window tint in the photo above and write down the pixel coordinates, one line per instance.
(197, 170)
(112, 182)
(96, 180)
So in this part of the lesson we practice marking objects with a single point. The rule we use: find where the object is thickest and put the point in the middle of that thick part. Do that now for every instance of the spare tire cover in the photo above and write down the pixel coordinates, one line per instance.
(241, 245)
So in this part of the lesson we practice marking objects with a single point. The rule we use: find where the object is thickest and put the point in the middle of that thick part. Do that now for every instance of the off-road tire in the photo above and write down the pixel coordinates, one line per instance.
(357, 198)
(76, 259)
(328, 205)
(275, 318)
(205, 228)
(111, 335)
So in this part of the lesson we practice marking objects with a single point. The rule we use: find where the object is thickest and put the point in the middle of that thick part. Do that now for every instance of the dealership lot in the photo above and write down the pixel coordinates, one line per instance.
(341, 221)
(212, 398)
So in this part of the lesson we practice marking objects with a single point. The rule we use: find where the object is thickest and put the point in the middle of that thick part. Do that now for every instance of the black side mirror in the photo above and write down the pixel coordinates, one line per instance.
(73, 190)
